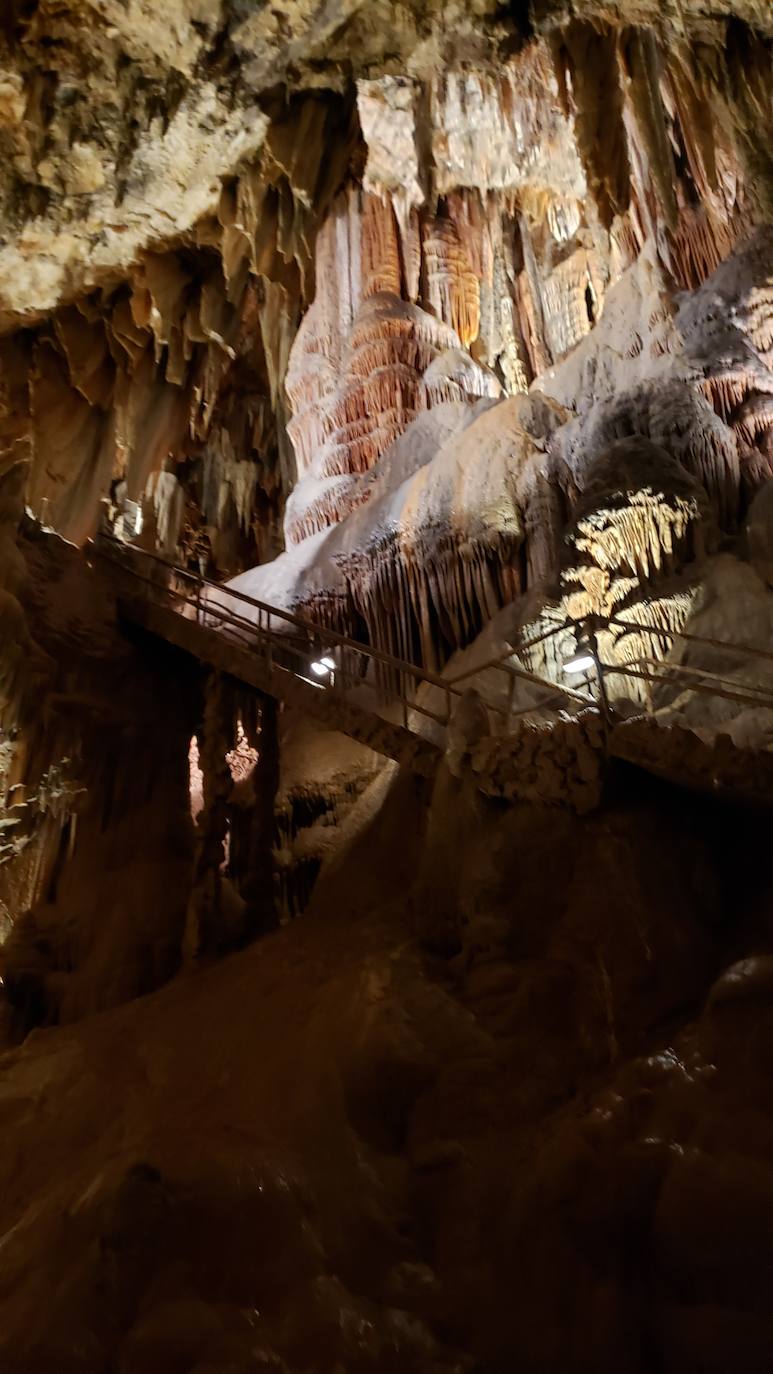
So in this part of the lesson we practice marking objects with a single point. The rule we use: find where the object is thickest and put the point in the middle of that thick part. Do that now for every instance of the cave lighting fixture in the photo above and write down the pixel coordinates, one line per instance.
(323, 666)
(581, 662)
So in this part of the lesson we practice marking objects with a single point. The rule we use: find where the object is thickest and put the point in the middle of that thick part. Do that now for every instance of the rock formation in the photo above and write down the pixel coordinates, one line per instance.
(425, 349)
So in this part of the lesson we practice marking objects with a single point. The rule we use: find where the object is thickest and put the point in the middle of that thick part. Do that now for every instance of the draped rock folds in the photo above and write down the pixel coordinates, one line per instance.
(435, 546)
(498, 183)
(607, 506)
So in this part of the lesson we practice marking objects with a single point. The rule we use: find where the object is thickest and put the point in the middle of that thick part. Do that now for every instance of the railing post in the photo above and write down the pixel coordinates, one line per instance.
(510, 695)
(603, 697)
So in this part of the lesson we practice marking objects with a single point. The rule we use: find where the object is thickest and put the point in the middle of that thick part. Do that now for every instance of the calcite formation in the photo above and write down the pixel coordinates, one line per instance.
(399, 313)
(446, 325)
(488, 202)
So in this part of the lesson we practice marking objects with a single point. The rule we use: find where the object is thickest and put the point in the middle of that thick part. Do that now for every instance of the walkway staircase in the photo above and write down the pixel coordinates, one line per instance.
(394, 707)
(404, 712)
(259, 665)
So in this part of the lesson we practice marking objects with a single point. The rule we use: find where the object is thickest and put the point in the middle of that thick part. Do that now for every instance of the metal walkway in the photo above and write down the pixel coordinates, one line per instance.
(402, 711)
(392, 706)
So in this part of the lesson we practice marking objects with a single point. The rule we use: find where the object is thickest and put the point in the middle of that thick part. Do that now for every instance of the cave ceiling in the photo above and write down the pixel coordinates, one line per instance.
(119, 122)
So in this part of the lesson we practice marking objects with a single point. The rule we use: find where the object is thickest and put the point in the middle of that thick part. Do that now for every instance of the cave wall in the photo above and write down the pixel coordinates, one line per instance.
(618, 264)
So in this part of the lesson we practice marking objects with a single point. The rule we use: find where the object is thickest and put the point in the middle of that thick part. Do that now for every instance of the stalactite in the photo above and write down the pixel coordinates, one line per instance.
(410, 252)
(165, 498)
(380, 249)
(754, 416)
(698, 245)
(334, 498)
(626, 239)
(437, 550)
(503, 130)
(727, 330)
(569, 288)
(452, 285)
(354, 379)
(641, 516)
(454, 376)
(642, 62)
(530, 327)
(205, 921)
(530, 302)
(388, 119)
(696, 121)
(589, 55)
(255, 773)
(749, 94)
(129, 378)
(544, 520)
(482, 260)
(649, 642)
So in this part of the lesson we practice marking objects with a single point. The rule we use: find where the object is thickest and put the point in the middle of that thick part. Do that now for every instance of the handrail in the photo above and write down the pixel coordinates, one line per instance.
(688, 678)
(216, 607)
(673, 678)
(228, 618)
(334, 637)
(505, 665)
(729, 645)
(314, 636)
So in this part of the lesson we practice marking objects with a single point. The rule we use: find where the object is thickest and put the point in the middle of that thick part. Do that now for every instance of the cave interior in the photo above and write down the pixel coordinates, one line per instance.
(386, 686)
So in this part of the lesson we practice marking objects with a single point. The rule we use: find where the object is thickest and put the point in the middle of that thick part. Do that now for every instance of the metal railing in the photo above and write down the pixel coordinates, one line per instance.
(689, 676)
(402, 693)
(366, 677)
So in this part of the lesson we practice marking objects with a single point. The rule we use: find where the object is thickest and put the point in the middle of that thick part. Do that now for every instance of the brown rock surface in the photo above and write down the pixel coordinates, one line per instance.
(337, 1151)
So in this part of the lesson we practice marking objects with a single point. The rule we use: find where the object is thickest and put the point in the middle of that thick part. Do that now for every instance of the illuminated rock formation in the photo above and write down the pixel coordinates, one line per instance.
(448, 326)
(349, 280)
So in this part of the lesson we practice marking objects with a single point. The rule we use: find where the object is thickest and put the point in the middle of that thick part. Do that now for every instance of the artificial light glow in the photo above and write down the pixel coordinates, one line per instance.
(328, 662)
(580, 663)
(320, 668)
